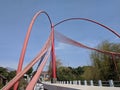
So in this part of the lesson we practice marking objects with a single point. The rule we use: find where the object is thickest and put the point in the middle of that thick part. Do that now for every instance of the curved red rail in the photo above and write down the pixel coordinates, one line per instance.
(34, 61)
(89, 20)
(34, 80)
(70, 41)
(45, 48)
(26, 42)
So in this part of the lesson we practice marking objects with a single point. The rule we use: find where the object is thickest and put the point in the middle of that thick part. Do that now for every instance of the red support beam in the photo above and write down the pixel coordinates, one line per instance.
(26, 43)
(33, 62)
(53, 58)
(20, 73)
(34, 80)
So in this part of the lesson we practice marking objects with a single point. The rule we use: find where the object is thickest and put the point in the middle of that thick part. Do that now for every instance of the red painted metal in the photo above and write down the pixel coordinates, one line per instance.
(34, 80)
(67, 40)
(34, 61)
(26, 42)
(89, 20)
(53, 56)
(109, 29)
(20, 74)
(70, 41)
(45, 48)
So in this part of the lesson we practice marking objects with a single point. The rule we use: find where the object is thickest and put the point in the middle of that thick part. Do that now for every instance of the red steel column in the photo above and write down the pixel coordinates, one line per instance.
(54, 79)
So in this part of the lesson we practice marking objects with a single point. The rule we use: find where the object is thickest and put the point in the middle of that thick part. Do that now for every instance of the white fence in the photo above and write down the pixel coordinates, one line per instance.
(109, 83)
(87, 84)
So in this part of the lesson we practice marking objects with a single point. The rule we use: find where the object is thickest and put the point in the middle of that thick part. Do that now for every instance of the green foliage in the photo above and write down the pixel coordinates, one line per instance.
(11, 75)
(88, 73)
(69, 73)
(29, 72)
(104, 65)
(23, 84)
(58, 64)
(7, 75)
(66, 73)
(4, 72)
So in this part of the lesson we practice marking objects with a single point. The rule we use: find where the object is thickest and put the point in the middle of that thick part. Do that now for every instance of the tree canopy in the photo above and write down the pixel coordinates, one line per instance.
(104, 66)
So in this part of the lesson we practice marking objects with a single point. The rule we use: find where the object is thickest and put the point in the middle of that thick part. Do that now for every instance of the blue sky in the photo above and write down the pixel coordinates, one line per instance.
(15, 16)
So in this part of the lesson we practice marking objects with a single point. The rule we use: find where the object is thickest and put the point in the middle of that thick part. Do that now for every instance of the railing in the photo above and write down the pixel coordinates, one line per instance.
(109, 83)
(104, 85)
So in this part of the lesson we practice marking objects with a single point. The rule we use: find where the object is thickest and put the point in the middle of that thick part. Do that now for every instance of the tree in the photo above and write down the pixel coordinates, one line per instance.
(69, 73)
(3, 71)
(58, 64)
(65, 74)
(29, 72)
(88, 73)
(11, 75)
(103, 65)
(7, 75)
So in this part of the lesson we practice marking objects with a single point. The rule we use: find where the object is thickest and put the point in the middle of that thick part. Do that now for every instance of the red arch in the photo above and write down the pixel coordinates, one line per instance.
(52, 28)
(89, 20)
(26, 42)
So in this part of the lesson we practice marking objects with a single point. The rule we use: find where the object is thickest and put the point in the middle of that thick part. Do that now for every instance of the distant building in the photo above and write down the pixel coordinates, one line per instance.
(44, 76)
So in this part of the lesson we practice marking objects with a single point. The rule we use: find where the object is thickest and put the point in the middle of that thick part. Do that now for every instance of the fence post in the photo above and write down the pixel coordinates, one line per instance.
(111, 83)
(70, 82)
(67, 82)
(100, 83)
(85, 82)
(75, 82)
(79, 82)
(91, 83)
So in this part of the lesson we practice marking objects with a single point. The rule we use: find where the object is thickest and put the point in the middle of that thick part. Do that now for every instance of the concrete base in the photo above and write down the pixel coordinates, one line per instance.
(53, 80)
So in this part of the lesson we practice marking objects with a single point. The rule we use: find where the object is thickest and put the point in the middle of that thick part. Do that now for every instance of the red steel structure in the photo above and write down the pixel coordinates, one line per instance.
(53, 58)
(33, 62)
(107, 28)
(26, 42)
(48, 44)
(34, 80)
(75, 43)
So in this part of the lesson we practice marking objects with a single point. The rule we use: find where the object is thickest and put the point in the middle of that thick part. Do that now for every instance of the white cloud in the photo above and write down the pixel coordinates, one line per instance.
(61, 46)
